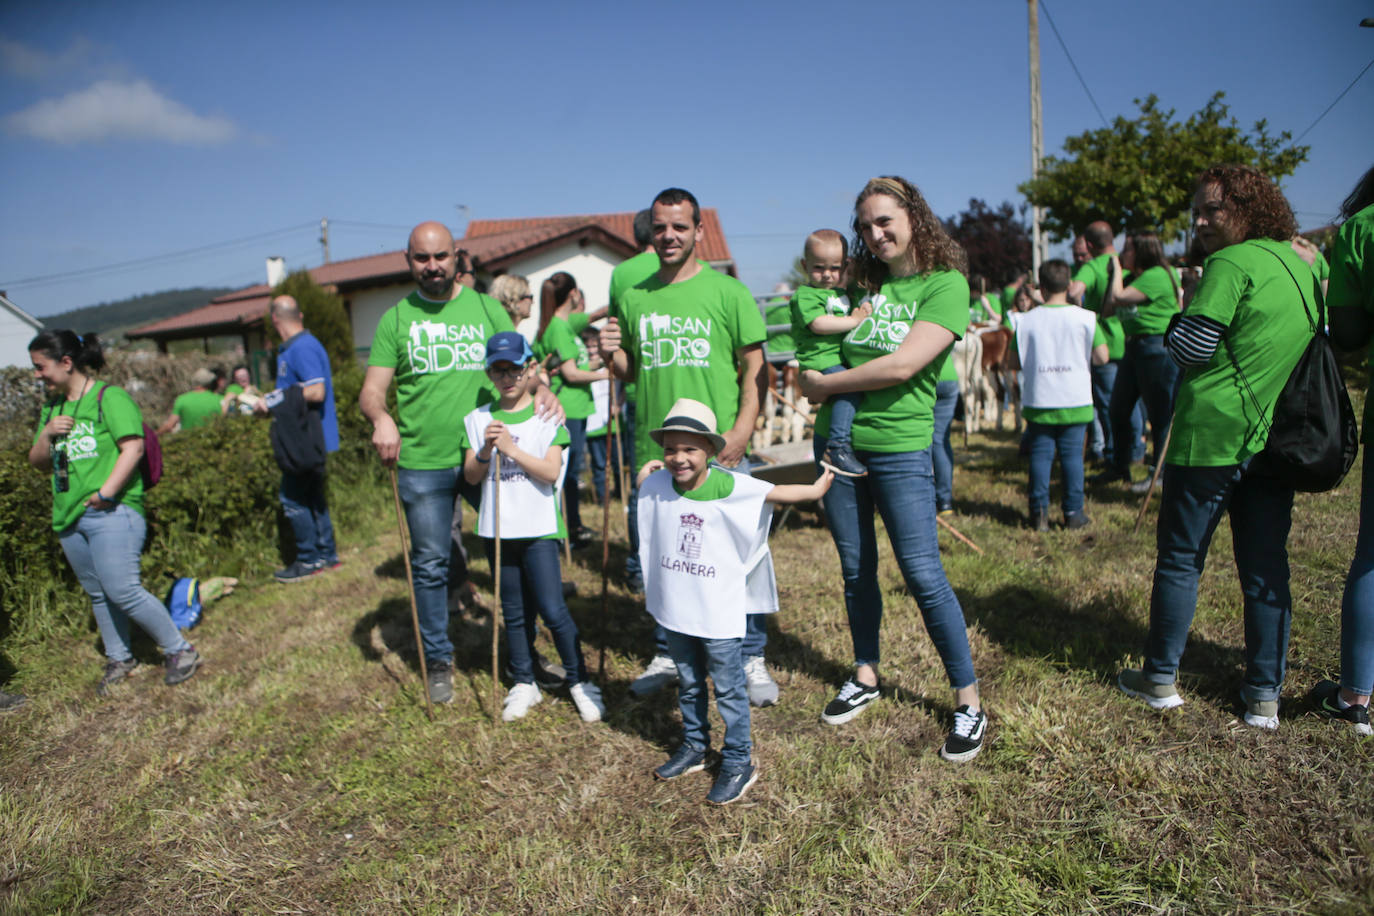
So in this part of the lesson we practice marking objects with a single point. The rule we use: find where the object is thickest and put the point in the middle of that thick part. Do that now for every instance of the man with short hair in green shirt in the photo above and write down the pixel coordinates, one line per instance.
(197, 407)
(690, 331)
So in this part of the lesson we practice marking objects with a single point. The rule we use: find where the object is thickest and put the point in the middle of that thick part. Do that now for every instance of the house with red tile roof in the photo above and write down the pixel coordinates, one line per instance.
(588, 247)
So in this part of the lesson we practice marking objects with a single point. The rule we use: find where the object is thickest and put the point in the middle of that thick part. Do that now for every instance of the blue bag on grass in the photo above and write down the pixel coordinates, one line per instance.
(184, 602)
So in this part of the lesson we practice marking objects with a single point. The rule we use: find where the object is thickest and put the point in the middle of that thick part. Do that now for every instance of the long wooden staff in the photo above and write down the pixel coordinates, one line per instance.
(622, 473)
(410, 585)
(1154, 478)
(496, 608)
(806, 417)
(955, 531)
(606, 543)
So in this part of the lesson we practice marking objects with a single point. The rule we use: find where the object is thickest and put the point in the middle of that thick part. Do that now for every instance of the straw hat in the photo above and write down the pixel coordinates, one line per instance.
(689, 416)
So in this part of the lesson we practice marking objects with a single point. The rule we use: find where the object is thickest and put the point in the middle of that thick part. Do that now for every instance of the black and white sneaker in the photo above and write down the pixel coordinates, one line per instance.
(849, 702)
(966, 737)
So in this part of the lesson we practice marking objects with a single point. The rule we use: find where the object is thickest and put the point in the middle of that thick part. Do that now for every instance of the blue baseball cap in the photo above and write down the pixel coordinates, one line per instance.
(508, 347)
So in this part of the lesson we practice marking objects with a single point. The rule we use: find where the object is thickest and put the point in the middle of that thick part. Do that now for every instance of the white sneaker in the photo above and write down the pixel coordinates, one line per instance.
(587, 698)
(763, 690)
(660, 673)
(519, 701)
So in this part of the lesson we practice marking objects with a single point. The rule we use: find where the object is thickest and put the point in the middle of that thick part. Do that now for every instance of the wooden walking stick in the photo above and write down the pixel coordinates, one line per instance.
(1154, 478)
(622, 473)
(605, 545)
(955, 531)
(495, 577)
(807, 418)
(410, 586)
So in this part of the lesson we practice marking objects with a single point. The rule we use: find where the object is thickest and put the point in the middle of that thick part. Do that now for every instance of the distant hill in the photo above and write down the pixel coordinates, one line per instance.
(110, 319)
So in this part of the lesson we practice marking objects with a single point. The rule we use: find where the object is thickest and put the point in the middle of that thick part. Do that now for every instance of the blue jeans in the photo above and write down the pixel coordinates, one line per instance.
(458, 552)
(302, 499)
(531, 579)
(428, 499)
(941, 448)
(1104, 382)
(572, 483)
(1147, 375)
(103, 547)
(842, 410)
(1357, 605)
(722, 660)
(1044, 440)
(1261, 513)
(901, 487)
(601, 454)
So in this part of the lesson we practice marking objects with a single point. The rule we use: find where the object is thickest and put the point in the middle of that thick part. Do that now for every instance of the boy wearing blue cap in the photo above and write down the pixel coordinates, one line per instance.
(530, 465)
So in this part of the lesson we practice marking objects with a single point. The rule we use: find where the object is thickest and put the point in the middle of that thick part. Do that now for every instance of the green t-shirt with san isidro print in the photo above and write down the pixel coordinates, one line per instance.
(438, 350)
(900, 418)
(1222, 415)
(91, 449)
(682, 338)
(816, 351)
(560, 337)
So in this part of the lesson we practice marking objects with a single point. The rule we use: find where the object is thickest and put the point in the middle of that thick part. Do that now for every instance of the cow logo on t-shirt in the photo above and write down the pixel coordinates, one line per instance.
(665, 340)
(433, 346)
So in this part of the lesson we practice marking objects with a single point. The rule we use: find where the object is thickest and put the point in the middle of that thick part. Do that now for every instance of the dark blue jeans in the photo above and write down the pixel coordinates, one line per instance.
(532, 579)
(723, 661)
(1357, 605)
(842, 410)
(572, 480)
(428, 497)
(1190, 509)
(1104, 383)
(901, 487)
(1147, 375)
(302, 499)
(601, 454)
(1044, 439)
(941, 448)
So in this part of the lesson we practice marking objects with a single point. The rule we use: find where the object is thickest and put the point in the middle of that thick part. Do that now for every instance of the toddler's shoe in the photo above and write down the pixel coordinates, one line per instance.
(842, 460)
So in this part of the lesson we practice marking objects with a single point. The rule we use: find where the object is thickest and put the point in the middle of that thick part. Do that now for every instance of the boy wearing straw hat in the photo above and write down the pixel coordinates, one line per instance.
(701, 529)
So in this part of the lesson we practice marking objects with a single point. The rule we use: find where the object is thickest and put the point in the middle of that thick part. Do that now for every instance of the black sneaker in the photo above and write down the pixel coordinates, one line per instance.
(114, 673)
(181, 665)
(582, 538)
(842, 460)
(849, 702)
(1078, 520)
(296, 572)
(440, 681)
(328, 565)
(1324, 696)
(966, 737)
(686, 759)
(730, 787)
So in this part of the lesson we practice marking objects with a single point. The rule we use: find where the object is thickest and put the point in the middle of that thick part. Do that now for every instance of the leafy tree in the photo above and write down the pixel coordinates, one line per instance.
(324, 315)
(996, 240)
(1138, 173)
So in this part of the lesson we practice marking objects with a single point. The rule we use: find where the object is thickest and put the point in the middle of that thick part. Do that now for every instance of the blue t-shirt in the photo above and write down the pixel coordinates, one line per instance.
(302, 361)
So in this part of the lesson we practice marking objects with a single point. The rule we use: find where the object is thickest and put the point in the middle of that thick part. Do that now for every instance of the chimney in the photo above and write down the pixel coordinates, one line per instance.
(276, 270)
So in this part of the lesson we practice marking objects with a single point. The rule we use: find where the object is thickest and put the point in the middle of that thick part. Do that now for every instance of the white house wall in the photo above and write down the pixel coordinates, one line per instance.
(368, 307)
(15, 334)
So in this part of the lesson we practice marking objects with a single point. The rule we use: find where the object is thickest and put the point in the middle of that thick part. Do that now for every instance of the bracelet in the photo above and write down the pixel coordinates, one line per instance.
(101, 496)
(480, 459)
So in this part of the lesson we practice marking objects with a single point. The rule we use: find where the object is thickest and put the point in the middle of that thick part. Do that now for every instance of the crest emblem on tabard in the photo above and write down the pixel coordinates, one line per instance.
(689, 536)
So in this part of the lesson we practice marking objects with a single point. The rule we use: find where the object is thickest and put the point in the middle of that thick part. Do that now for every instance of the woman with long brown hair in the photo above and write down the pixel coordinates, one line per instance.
(912, 273)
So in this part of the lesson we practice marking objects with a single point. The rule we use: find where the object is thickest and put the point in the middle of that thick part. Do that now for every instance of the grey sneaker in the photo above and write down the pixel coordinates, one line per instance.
(1132, 682)
(661, 673)
(440, 681)
(114, 673)
(763, 690)
(1261, 713)
(12, 700)
(181, 665)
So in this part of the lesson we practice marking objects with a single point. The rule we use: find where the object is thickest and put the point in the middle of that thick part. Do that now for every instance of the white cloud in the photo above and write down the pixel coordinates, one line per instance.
(36, 64)
(119, 110)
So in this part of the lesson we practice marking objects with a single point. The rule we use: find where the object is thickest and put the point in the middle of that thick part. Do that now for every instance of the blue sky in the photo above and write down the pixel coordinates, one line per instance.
(131, 132)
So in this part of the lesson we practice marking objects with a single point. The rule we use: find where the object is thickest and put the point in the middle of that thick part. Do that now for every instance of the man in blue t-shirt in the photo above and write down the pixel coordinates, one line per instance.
(301, 361)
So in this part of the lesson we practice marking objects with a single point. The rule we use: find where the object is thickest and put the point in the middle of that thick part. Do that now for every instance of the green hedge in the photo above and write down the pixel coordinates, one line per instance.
(215, 512)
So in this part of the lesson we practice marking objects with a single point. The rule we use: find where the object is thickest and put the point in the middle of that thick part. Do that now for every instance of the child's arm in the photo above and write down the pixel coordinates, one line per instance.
(785, 493)
(497, 436)
(649, 468)
(840, 324)
(474, 468)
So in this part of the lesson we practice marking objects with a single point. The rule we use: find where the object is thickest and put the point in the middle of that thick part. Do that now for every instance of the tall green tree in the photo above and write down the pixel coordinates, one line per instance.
(1138, 173)
(324, 315)
(995, 238)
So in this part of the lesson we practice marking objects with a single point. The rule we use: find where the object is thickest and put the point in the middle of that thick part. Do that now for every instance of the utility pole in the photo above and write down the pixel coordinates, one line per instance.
(1037, 139)
(324, 235)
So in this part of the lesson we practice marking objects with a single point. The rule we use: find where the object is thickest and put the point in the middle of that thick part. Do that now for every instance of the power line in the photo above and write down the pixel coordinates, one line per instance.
(148, 261)
(1333, 104)
(1082, 82)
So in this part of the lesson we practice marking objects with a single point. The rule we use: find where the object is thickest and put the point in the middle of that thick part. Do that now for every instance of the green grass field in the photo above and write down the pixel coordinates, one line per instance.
(297, 773)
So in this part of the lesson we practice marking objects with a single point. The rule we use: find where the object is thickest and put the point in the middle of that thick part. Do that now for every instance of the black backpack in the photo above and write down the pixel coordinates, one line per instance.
(1313, 438)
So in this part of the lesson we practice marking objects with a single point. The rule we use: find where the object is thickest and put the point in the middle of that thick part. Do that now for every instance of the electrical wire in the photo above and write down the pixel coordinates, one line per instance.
(1333, 104)
(1082, 82)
